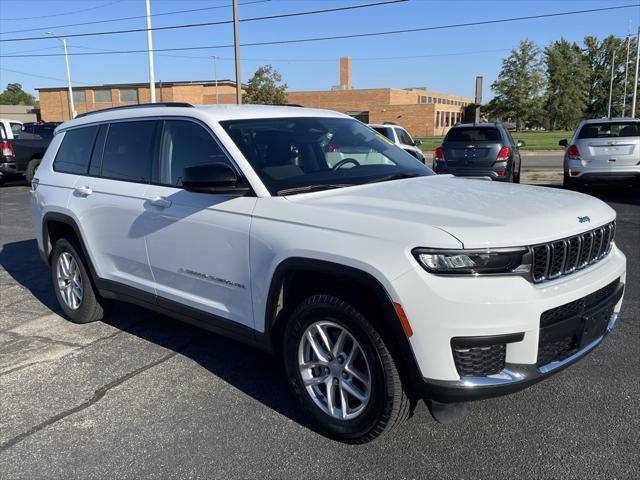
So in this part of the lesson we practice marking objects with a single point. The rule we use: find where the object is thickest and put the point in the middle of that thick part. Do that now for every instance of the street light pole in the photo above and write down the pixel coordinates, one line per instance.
(72, 107)
(635, 84)
(215, 75)
(152, 81)
(236, 43)
(626, 75)
(613, 62)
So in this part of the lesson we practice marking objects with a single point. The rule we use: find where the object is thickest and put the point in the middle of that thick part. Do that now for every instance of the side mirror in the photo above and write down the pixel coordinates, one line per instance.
(417, 142)
(213, 178)
(563, 143)
(520, 143)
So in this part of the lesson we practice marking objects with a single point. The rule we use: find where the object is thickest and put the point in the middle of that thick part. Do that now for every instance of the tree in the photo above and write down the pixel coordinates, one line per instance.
(14, 95)
(265, 87)
(598, 56)
(567, 87)
(519, 85)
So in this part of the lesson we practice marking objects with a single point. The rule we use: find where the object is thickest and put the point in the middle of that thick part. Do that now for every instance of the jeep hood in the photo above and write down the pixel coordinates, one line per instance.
(478, 213)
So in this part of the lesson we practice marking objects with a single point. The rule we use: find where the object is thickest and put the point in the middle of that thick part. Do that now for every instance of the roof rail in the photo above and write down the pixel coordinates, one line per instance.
(140, 105)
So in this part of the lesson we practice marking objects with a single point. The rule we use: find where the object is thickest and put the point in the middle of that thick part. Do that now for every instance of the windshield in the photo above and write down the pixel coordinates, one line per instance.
(610, 129)
(306, 154)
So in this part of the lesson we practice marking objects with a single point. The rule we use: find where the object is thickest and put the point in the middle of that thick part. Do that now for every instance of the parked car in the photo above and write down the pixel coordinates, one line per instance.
(377, 284)
(479, 150)
(400, 137)
(44, 129)
(10, 129)
(20, 151)
(603, 151)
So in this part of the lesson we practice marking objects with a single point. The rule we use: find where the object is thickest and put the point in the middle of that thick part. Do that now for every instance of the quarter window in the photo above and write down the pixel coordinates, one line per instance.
(128, 153)
(75, 152)
(404, 137)
(186, 144)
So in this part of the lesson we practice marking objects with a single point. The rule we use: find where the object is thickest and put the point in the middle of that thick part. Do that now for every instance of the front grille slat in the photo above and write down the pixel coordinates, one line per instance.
(479, 361)
(561, 257)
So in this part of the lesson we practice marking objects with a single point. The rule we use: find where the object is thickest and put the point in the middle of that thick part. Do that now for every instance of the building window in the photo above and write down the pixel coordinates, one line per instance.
(102, 96)
(429, 99)
(79, 96)
(128, 95)
(423, 99)
(437, 119)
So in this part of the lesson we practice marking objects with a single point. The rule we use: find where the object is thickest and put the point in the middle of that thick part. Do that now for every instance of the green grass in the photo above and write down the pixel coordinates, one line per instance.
(534, 140)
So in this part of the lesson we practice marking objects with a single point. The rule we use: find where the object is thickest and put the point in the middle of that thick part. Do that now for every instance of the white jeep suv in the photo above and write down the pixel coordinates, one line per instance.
(378, 282)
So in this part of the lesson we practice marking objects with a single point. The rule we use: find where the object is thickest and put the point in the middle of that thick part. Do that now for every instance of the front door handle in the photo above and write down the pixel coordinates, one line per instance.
(161, 202)
(83, 191)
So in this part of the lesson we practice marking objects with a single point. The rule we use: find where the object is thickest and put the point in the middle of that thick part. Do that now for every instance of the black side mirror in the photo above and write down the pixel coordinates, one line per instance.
(213, 178)
(417, 142)
(520, 143)
(563, 143)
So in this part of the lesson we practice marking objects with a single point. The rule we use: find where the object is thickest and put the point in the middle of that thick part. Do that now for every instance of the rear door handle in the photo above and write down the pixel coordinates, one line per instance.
(161, 202)
(83, 191)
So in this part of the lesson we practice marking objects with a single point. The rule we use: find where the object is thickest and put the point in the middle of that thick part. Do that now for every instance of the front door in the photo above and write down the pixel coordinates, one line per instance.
(198, 243)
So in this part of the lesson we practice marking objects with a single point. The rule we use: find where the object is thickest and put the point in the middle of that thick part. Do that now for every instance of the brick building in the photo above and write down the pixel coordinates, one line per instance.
(420, 111)
(54, 102)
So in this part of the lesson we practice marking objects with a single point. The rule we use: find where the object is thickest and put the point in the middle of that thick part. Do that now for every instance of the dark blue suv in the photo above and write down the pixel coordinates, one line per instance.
(479, 150)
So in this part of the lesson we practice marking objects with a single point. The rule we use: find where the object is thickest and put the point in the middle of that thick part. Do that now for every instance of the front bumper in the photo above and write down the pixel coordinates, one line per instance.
(445, 308)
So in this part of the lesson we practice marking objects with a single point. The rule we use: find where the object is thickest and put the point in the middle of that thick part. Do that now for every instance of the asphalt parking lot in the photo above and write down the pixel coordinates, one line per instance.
(141, 395)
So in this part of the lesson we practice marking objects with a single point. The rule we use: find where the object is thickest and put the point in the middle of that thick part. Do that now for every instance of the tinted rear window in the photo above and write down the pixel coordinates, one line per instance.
(128, 153)
(610, 130)
(75, 152)
(473, 134)
(385, 131)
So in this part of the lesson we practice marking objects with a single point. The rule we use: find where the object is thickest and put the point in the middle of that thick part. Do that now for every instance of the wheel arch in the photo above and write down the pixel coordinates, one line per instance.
(294, 279)
(56, 225)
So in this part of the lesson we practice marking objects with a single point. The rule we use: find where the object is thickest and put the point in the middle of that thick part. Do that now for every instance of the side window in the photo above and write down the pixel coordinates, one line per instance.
(186, 144)
(128, 153)
(16, 128)
(404, 137)
(75, 151)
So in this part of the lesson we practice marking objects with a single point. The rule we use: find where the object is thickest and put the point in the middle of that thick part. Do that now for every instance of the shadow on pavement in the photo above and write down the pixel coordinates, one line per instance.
(254, 372)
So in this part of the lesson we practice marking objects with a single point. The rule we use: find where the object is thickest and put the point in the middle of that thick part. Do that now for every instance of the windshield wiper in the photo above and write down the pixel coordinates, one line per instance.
(312, 188)
(396, 176)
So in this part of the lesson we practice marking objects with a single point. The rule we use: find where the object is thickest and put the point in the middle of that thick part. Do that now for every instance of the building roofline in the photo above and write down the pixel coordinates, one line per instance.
(414, 90)
(223, 82)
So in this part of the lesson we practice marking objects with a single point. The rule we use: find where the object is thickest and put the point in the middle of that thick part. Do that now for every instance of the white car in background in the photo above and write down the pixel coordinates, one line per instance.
(400, 137)
(375, 281)
(603, 150)
(10, 129)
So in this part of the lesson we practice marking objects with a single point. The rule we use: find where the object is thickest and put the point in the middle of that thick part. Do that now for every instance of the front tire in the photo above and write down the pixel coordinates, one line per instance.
(341, 371)
(72, 284)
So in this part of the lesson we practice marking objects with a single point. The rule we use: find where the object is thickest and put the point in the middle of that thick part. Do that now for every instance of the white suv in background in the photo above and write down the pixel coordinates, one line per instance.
(378, 283)
(604, 150)
(400, 137)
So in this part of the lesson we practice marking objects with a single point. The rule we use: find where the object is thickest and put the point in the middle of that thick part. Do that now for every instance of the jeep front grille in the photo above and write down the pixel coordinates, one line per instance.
(561, 257)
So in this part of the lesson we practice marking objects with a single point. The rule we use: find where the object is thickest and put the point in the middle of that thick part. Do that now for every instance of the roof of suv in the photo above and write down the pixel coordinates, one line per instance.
(612, 119)
(214, 112)
(481, 124)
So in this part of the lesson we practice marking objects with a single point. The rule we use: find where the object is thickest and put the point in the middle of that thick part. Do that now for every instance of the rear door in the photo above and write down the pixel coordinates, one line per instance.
(198, 243)
(472, 147)
(610, 145)
(109, 201)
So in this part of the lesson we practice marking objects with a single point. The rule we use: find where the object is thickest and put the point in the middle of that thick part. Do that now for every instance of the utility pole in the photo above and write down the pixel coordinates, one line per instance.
(72, 107)
(478, 99)
(152, 81)
(635, 85)
(215, 75)
(626, 74)
(236, 43)
(613, 62)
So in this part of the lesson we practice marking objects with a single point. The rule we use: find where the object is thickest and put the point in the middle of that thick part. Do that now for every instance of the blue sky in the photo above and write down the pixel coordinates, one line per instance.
(451, 58)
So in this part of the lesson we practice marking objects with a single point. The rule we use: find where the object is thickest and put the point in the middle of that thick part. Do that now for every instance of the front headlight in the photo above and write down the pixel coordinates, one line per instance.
(474, 262)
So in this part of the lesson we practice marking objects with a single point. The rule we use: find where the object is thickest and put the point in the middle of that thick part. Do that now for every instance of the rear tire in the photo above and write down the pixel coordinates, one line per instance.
(30, 172)
(72, 284)
(516, 177)
(377, 406)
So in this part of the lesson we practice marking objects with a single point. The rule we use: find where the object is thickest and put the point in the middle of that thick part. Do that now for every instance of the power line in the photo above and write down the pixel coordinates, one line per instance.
(66, 13)
(335, 37)
(132, 18)
(207, 24)
(40, 76)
